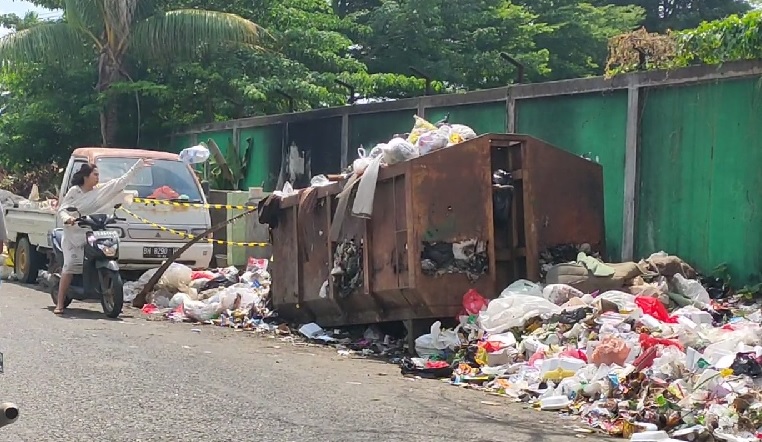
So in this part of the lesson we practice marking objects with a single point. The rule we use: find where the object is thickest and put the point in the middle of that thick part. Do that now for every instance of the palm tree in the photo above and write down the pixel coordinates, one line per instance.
(118, 29)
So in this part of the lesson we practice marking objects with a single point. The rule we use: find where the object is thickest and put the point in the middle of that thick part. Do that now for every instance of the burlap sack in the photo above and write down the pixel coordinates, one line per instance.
(579, 277)
(670, 266)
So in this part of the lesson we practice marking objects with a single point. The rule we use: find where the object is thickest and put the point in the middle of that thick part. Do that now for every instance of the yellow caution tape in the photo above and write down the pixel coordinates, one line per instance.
(189, 236)
(199, 205)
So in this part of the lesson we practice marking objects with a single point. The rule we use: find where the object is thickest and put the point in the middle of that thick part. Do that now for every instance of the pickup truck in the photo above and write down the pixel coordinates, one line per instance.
(142, 245)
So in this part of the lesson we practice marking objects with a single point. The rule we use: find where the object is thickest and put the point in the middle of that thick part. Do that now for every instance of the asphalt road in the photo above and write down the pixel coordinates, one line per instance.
(85, 378)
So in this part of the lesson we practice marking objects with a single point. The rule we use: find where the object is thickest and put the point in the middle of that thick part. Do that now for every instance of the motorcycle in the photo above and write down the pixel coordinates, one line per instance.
(9, 413)
(100, 278)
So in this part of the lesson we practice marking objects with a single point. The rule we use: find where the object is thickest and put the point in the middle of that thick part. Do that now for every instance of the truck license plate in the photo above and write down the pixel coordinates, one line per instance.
(158, 252)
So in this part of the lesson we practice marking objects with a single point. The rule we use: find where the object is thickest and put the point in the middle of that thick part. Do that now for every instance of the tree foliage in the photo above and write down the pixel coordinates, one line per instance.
(729, 39)
(115, 30)
(54, 101)
(664, 15)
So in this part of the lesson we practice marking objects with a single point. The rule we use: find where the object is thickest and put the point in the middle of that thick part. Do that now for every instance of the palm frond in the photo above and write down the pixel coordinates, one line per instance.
(55, 42)
(86, 15)
(180, 33)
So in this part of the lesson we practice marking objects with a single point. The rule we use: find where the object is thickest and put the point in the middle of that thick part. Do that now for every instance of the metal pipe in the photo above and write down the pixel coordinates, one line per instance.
(350, 88)
(517, 64)
(425, 77)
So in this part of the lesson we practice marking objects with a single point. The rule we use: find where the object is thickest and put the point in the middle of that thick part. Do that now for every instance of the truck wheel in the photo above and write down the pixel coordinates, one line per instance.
(27, 262)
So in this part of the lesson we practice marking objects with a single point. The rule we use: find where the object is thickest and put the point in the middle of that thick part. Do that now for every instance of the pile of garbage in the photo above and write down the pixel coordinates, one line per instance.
(650, 356)
(226, 297)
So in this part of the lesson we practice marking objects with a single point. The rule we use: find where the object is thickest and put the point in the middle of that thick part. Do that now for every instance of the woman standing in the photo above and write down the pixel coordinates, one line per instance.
(88, 197)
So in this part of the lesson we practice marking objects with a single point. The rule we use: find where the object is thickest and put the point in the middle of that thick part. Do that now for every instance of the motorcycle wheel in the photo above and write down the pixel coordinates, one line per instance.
(112, 292)
(54, 294)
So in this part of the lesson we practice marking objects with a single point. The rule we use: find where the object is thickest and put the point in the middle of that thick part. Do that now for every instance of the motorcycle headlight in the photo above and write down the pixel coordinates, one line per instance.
(108, 250)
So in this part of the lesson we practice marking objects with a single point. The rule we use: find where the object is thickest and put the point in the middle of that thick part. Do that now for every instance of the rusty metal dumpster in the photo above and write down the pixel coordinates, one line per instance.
(435, 232)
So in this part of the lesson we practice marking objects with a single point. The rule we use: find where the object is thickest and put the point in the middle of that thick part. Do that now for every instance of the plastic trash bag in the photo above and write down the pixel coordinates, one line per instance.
(420, 127)
(691, 289)
(177, 278)
(227, 297)
(460, 133)
(522, 287)
(431, 141)
(398, 150)
(507, 312)
(473, 302)
(179, 299)
(319, 181)
(611, 350)
(560, 294)
(361, 163)
(288, 190)
(195, 154)
(436, 342)
(202, 311)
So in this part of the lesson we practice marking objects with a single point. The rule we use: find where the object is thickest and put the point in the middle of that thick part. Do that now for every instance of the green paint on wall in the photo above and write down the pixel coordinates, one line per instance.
(370, 129)
(592, 124)
(264, 156)
(222, 138)
(179, 143)
(700, 179)
(482, 118)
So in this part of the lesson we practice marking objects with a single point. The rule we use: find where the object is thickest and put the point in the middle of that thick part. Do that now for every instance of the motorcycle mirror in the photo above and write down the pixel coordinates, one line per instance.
(118, 206)
(71, 209)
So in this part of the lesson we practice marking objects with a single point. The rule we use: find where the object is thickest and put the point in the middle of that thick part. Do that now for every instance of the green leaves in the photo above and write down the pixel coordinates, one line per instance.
(51, 43)
(182, 32)
(733, 38)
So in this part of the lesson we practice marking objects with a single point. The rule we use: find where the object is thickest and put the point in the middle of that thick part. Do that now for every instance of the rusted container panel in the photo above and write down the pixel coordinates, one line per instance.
(553, 176)
(451, 196)
(434, 233)
(285, 276)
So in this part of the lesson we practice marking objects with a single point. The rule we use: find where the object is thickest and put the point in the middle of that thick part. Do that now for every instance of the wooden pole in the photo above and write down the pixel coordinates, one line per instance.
(140, 300)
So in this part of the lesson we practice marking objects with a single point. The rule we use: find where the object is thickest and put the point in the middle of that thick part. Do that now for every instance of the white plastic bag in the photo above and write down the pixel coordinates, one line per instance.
(398, 150)
(361, 163)
(434, 343)
(507, 312)
(691, 289)
(319, 181)
(288, 190)
(177, 278)
(431, 141)
(522, 287)
(195, 154)
(559, 294)
(201, 311)
(460, 133)
(226, 298)
(179, 299)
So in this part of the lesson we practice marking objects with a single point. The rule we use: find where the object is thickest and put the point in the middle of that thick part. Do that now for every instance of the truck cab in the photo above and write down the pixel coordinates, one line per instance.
(147, 239)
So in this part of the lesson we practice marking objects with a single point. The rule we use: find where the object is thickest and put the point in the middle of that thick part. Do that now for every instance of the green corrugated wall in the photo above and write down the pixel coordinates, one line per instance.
(482, 118)
(264, 155)
(370, 129)
(700, 175)
(180, 142)
(591, 124)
